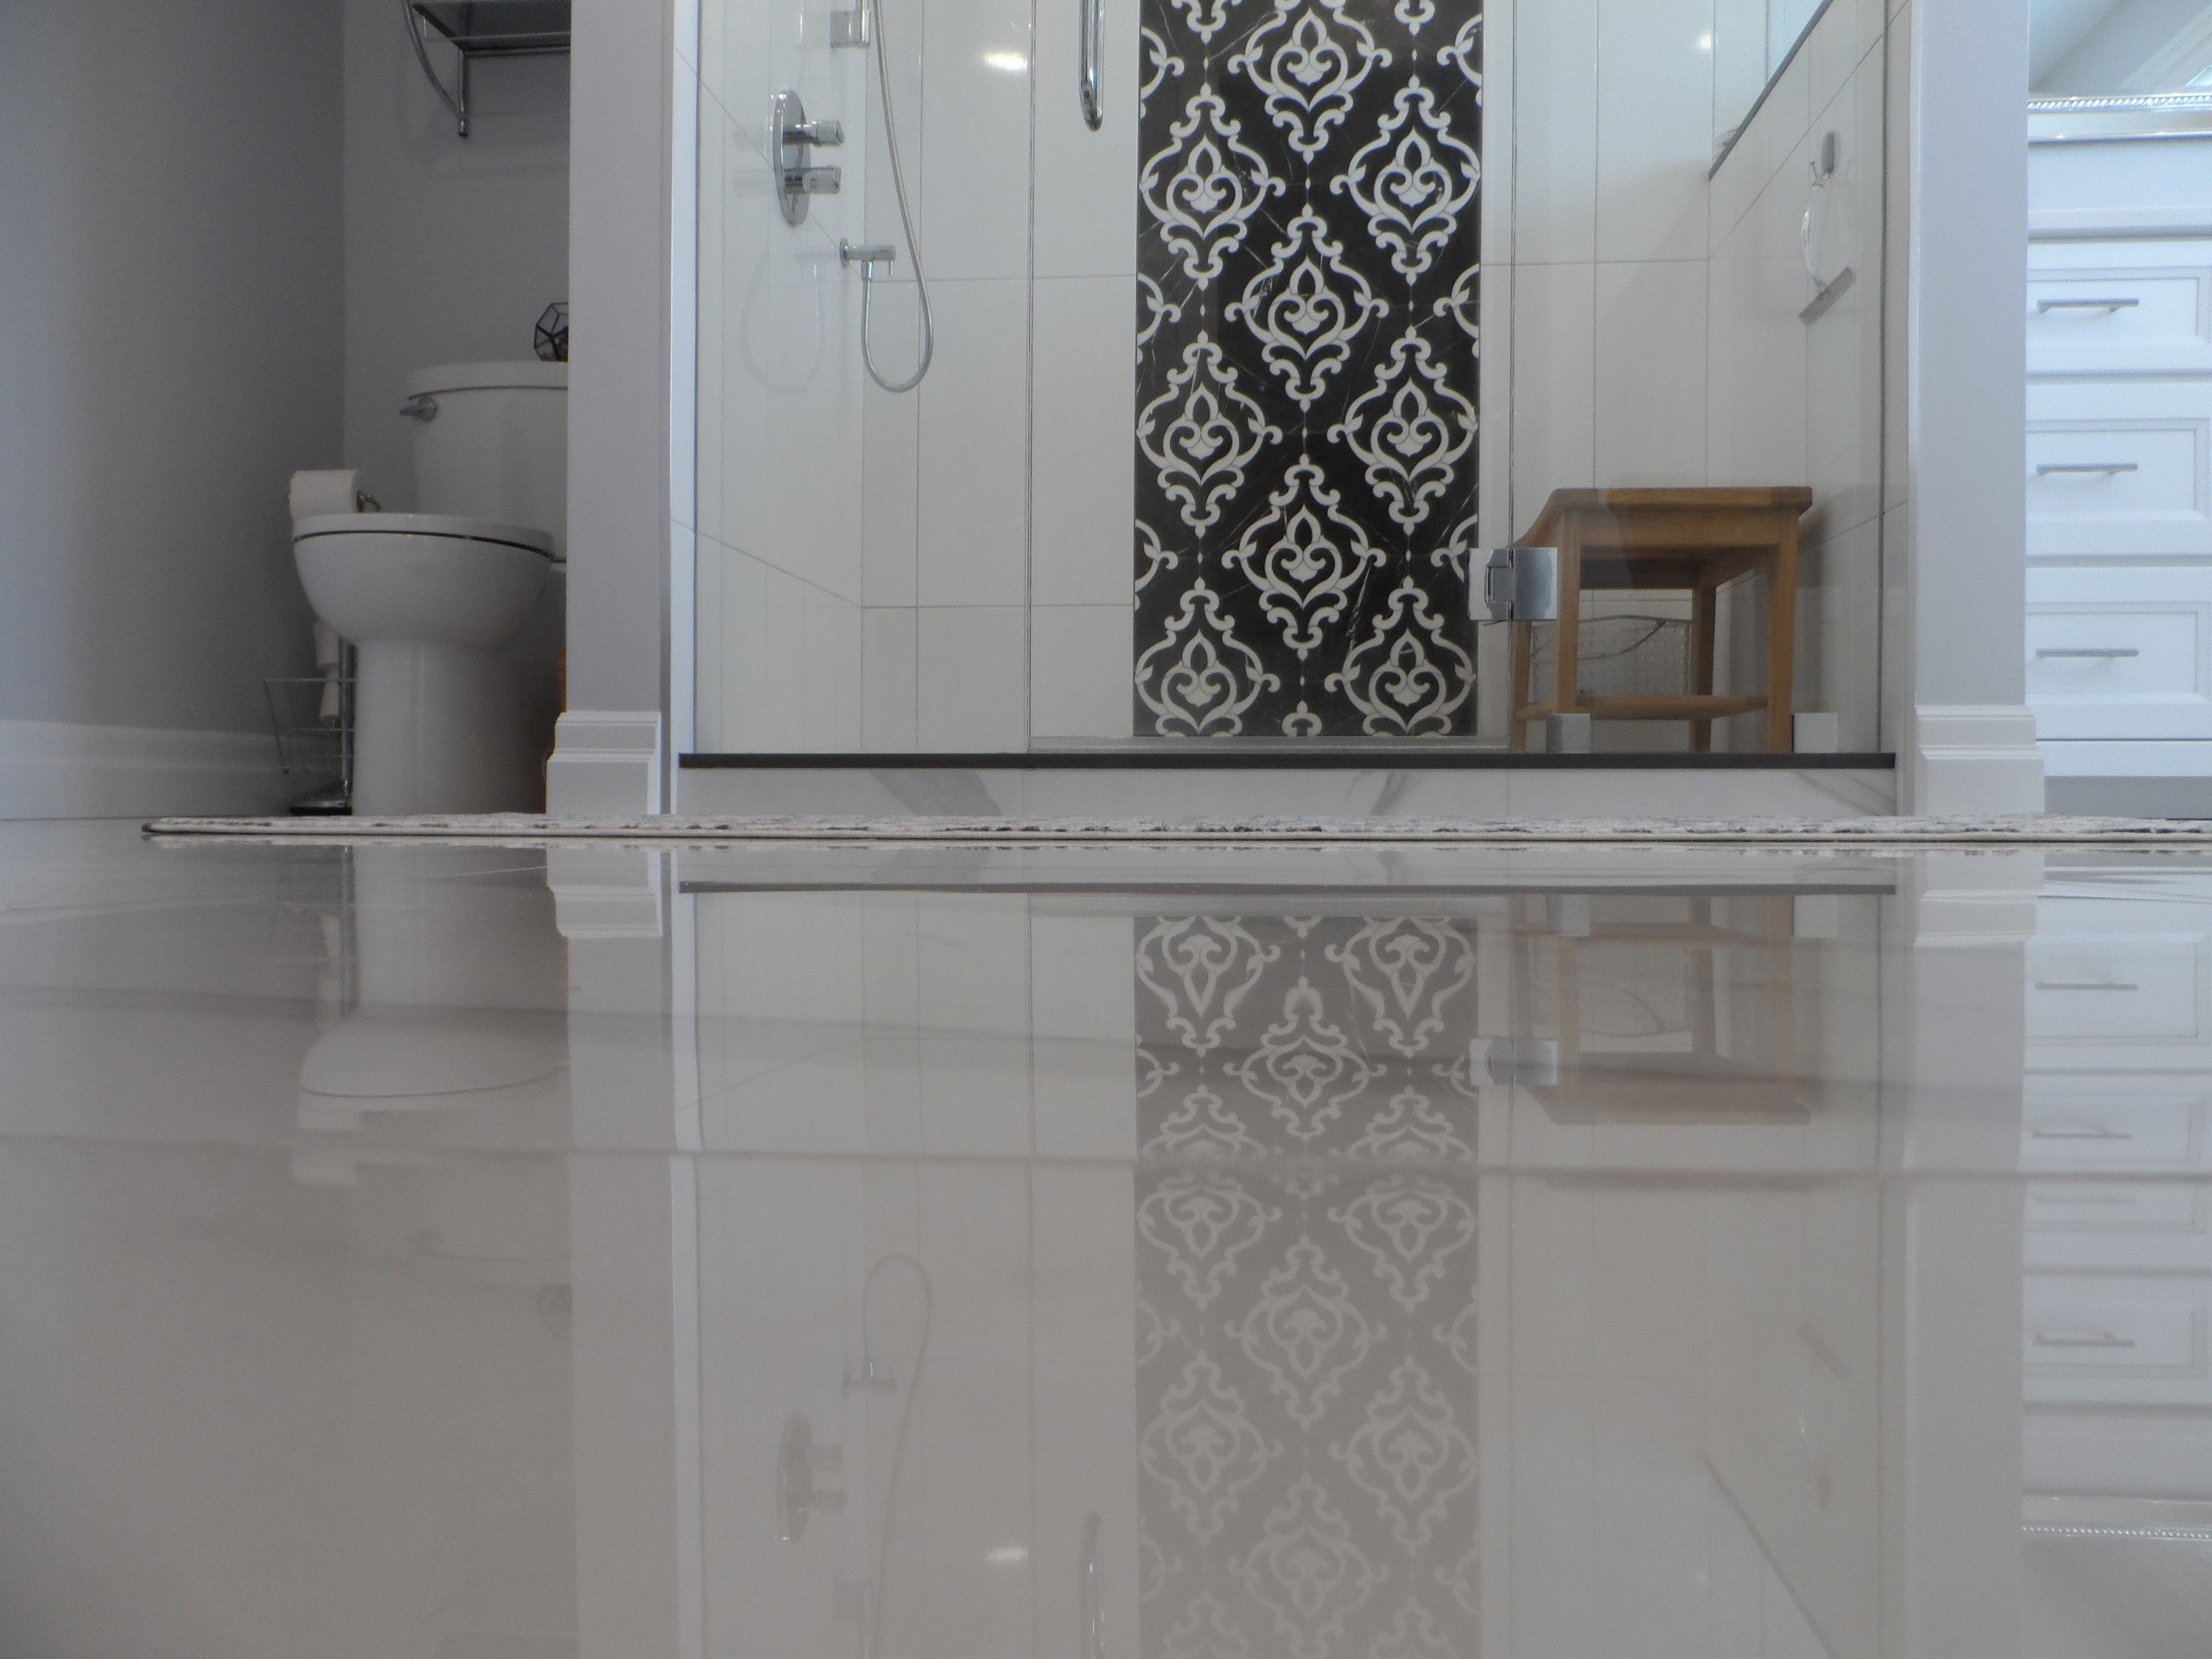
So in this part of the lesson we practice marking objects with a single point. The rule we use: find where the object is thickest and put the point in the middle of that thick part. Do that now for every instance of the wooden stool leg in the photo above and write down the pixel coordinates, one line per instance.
(1524, 636)
(1705, 607)
(1782, 641)
(1566, 681)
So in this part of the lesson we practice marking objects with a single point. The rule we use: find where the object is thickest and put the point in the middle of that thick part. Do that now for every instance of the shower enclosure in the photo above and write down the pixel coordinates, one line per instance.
(1252, 325)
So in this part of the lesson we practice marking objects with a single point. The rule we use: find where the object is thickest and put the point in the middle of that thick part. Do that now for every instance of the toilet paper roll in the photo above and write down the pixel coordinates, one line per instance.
(317, 494)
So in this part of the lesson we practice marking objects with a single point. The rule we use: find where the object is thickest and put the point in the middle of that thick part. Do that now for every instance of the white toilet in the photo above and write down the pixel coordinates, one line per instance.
(454, 610)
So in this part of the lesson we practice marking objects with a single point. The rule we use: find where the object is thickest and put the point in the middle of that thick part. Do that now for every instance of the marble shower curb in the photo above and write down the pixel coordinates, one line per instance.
(2040, 830)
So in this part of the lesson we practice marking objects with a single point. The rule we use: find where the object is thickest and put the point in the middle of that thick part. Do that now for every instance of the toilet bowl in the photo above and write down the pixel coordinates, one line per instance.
(455, 611)
(441, 721)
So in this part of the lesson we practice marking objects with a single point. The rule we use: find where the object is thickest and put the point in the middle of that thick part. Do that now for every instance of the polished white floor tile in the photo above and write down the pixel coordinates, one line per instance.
(842, 1222)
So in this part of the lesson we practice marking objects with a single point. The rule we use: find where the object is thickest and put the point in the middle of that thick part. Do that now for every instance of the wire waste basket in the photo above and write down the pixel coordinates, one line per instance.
(313, 722)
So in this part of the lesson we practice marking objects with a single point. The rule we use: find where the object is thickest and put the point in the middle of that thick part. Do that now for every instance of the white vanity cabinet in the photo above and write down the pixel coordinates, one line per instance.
(2116, 1299)
(2119, 465)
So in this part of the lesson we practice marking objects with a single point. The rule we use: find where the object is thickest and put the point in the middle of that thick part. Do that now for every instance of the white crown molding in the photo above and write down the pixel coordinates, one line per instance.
(55, 769)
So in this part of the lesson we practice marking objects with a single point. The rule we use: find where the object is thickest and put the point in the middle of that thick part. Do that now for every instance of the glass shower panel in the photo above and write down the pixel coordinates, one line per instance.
(1195, 453)
(862, 580)
(1208, 439)
(1695, 369)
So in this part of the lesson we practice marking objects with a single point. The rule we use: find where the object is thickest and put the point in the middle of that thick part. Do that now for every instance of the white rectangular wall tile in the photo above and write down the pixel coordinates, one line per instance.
(891, 460)
(1655, 128)
(1086, 196)
(974, 528)
(975, 135)
(788, 666)
(1839, 632)
(1733, 393)
(1553, 322)
(973, 678)
(1555, 132)
(1739, 60)
(1650, 353)
(1843, 345)
(1081, 671)
(887, 682)
(1084, 462)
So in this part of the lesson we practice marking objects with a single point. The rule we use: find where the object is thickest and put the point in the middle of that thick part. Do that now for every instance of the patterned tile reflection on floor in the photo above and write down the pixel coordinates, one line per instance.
(1306, 1340)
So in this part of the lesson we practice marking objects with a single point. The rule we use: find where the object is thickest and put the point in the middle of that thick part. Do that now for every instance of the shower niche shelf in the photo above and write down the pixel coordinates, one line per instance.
(484, 28)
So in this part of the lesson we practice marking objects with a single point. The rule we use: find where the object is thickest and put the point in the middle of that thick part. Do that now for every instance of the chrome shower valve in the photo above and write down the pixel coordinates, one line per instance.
(792, 140)
(867, 257)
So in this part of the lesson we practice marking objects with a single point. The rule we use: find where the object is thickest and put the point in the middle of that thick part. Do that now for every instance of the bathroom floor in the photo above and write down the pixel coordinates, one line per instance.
(499, 1251)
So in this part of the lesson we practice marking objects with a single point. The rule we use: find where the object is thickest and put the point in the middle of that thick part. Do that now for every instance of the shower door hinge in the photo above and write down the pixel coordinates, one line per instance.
(1519, 584)
(849, 28)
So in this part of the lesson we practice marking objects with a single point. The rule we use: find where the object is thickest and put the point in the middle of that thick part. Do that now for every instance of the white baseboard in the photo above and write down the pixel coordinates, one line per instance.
(53, 769)
(605, 761)
(1973, 759)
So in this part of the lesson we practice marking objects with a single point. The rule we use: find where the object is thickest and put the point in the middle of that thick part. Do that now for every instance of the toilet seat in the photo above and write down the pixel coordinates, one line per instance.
(426, 523)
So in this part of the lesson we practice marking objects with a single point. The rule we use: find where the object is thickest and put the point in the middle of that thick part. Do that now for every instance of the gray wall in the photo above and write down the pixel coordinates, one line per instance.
(170, 293)
(453, 245)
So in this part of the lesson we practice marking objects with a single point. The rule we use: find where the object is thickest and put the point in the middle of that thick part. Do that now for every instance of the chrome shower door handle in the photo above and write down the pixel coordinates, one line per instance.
(1091, 1607)
(1093, 16)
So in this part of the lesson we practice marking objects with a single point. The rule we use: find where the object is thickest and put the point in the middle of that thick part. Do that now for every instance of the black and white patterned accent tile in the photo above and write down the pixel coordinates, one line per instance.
(1306, 1287)
(1308, 363)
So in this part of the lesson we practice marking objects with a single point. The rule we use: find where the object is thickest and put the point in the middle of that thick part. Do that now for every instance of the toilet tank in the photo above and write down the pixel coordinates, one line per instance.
(491, 441)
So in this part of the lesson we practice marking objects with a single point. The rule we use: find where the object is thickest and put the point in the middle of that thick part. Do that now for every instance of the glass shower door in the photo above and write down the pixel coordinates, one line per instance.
(1211, 431)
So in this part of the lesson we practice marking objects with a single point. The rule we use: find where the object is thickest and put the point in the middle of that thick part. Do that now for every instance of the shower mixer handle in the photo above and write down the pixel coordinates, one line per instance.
(792, 140)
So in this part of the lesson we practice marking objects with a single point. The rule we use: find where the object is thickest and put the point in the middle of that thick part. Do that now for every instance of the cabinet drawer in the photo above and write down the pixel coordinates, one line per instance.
(2114, 1338)
(2115, 990)
(2119, 1226)
(2119, 307)
(2119, 653)
(2118, 467)
(2088, 1126)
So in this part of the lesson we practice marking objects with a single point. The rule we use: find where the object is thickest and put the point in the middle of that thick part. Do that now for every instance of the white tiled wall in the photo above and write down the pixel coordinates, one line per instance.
(1655, 337)
(915, 530)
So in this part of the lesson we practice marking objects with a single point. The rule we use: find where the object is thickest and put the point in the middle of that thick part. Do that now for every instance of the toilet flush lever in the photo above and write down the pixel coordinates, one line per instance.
(421, 407)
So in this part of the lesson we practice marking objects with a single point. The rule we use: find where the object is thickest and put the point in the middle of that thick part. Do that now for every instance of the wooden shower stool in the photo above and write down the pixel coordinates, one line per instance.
(1700, 540)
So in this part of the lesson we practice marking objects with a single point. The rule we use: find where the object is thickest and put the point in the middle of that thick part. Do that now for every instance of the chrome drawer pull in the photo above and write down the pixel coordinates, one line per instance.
(2084, 985)
(2087, 650)
(2079, 1135)
(2087, 1203)
(2044, 469)
(2044, 307)
(2103, 1339)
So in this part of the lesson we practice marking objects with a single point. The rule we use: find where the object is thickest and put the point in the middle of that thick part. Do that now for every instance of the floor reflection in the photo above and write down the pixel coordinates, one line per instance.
(504, 1253)
(1306, 1284)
